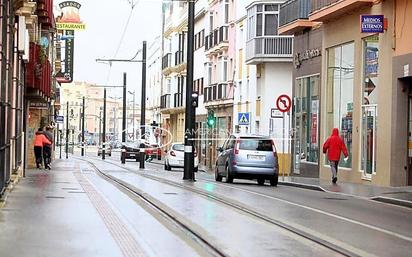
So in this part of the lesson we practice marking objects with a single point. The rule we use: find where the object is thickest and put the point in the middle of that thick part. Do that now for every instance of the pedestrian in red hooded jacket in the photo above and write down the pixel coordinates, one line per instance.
(334, 146)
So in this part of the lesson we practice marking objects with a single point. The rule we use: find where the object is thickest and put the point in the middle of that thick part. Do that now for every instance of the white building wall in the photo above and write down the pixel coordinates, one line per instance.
(276, 80)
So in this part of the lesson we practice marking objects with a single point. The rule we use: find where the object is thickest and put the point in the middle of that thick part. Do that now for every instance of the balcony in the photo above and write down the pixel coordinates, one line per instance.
(294, 16)
(178, 100)
(217, 94)
(38, 75)
(166, 61)
(326, 10)
(179, 57)
(165, 101)
(269, 49)
(217, 39)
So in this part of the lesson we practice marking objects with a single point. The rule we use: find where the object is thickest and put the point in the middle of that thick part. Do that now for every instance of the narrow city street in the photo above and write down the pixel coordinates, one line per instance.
(153, 212)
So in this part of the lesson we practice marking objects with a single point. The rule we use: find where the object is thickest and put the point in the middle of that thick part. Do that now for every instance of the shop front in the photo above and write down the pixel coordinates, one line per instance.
(306, 103)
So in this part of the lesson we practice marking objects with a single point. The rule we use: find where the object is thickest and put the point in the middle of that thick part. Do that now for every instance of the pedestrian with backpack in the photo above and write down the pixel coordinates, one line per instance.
(334, 146)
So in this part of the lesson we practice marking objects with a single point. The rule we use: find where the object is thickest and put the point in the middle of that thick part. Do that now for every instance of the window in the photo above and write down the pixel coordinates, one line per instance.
(306, 119)
(263, 20)
(226, 11)
(369, 104)
(339, 95)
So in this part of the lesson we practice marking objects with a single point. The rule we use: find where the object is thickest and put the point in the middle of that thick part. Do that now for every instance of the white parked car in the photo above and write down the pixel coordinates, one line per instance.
(175, 157)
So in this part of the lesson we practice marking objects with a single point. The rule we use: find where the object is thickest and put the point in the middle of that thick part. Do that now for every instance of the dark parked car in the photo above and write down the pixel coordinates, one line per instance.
(248, 157)
(130, 150)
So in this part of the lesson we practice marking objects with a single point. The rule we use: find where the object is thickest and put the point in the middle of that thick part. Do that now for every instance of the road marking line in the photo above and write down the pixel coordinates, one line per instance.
(325, 213)
(120, 233)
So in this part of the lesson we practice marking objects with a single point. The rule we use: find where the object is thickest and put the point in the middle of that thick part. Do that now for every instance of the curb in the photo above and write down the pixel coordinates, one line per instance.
(300, 185)
(393, 201)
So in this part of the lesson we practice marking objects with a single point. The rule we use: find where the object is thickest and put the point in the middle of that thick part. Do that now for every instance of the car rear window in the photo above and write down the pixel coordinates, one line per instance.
(179, 148)
(255, 144)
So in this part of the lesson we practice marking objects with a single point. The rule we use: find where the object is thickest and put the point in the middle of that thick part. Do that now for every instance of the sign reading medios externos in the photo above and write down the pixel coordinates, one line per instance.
(69, 18)
(372, 23)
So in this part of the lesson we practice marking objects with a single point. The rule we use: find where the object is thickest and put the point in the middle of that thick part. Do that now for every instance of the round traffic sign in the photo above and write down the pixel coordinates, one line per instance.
(283, 103)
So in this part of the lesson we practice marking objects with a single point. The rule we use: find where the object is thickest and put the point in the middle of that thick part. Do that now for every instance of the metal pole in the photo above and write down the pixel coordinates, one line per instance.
(283, 149)
(67, 130)
(143, 107)
(104, 126)
(83, 114)
(100, 127)
(60, 140)
(124, 109)
(190, 110)
(134, 104)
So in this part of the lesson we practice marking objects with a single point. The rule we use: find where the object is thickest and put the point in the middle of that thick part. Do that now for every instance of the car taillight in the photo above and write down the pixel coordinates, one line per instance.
(237, 146)
(275, 154)
(172, 153)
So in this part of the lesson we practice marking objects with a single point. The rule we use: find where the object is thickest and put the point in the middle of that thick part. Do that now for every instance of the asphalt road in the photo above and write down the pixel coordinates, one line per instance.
(360, 226)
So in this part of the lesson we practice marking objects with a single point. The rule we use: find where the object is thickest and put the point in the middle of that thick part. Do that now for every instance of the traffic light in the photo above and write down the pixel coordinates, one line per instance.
(211, 119)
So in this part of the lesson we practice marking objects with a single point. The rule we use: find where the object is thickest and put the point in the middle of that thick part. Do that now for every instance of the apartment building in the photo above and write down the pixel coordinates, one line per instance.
(154, 81)
(220, 51)
(264, 72)
(172, 104)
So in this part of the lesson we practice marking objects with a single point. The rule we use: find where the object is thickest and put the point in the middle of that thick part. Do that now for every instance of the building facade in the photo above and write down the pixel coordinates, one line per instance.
(365, 81)
(264, 72)
(307, 62)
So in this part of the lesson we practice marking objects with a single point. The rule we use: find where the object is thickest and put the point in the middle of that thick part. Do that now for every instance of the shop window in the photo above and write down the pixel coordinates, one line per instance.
(306, 105)
(369, 104)
(339, 94)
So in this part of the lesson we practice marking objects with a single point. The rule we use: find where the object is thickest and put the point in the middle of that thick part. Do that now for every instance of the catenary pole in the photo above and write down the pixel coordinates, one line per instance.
(143, 107)
(188, 173)
(124, 109)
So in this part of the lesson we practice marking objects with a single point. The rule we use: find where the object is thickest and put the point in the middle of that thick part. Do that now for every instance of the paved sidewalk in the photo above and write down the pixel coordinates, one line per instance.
(49, 214)
(394, 195)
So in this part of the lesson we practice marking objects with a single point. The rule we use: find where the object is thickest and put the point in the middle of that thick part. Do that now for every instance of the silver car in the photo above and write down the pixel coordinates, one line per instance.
(248, 157)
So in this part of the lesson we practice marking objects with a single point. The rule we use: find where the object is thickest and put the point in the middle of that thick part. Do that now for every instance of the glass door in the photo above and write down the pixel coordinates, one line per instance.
(369, 115)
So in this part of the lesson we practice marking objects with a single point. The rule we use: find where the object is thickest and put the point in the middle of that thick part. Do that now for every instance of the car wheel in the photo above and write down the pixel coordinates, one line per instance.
(229, 177)
(274, 181)
(218, 177)
(261, 181)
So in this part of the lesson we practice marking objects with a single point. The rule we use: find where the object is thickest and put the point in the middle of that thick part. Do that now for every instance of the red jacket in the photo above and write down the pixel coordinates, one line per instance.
(334, 145)
(40, 140)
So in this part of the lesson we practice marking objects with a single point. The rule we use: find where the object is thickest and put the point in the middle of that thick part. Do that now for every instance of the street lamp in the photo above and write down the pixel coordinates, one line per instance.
(134, 104)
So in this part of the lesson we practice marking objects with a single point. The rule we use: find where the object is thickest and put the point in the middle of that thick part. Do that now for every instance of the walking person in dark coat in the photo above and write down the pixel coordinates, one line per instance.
(47, 148)
(334, 146)
(39, 140)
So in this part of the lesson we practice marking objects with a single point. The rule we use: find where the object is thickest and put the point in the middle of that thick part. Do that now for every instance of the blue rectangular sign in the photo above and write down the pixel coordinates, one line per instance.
(372, 23)
(243, 118)
(59, 119)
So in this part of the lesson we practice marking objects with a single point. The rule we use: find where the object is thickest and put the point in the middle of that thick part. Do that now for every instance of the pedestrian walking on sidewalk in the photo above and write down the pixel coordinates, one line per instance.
(39, 140)
(47, 148)
(334, 146)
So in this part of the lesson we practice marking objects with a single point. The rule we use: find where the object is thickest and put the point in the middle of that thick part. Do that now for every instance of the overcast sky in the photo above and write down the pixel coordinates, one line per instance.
(105, 21)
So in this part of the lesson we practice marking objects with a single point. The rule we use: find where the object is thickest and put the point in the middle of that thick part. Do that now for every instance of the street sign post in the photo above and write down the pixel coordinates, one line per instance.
(283, 104)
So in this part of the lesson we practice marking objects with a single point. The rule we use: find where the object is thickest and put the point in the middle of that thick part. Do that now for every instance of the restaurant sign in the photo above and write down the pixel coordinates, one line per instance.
(372, 23)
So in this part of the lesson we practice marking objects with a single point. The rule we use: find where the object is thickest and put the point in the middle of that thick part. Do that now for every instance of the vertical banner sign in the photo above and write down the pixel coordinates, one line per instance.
(68, 67)
(66, 23)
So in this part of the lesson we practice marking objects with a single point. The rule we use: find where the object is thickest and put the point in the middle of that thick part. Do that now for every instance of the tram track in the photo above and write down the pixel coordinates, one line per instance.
(308, 234)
